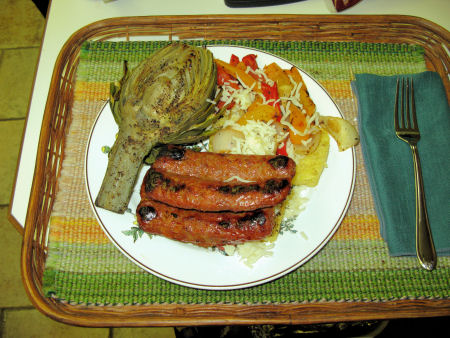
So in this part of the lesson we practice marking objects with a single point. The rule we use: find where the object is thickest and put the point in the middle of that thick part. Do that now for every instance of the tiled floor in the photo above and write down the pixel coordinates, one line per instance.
(21, 27)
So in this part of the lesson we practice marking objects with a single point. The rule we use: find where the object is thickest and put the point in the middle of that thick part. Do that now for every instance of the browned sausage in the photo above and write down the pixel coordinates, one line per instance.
(221, 167)
(205, 195)
(204, 229)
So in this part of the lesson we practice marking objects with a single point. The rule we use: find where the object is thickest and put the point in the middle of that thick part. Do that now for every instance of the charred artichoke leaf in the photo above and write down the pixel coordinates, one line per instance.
(197, 128)
(167, 98)
(114, 96)
(198, 132)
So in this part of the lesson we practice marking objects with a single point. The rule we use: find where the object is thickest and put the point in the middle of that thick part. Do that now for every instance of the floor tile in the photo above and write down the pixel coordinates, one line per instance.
(39, 325)
(10, 140)
(148, 332)
(21, 24)
(17, 68)
(13, 292)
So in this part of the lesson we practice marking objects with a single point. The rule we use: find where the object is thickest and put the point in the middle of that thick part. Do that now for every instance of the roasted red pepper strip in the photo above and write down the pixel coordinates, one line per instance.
(234, 60)
(224, 77)
(282, 150)
(220, 104)
(250, 60)
(271, 93)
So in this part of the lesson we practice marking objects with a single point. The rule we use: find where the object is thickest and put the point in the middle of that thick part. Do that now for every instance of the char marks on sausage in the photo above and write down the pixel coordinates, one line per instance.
(204, 229)
(221, 167)
(211, 199)
(189, 192)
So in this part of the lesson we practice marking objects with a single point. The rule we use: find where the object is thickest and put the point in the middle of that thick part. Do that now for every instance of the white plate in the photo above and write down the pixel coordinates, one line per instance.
(191, 266)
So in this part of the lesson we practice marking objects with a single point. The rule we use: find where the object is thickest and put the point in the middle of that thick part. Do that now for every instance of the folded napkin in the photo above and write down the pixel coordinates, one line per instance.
(389, 161)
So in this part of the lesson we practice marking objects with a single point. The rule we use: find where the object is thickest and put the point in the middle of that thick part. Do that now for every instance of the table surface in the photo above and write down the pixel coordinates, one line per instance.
(65, 17)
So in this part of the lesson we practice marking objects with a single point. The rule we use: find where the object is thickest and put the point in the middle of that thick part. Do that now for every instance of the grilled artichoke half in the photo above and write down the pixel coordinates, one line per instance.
(169, 98)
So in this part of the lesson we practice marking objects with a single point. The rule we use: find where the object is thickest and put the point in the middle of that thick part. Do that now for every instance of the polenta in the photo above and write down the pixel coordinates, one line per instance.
(310, 167)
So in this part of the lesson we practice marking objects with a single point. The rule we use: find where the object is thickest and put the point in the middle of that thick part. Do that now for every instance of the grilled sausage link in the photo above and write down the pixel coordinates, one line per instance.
(204, 229)
(221, 167)
(205, 195)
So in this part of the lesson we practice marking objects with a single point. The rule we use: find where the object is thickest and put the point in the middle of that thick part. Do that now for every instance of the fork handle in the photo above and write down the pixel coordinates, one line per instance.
(426, 252)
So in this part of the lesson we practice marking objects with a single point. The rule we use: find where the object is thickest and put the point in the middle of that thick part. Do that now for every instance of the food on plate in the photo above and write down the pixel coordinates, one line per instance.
(205, 229)
(267, 141)
(225, 140)
(311, 166)
(224, 167)
(195, 192)
(168, 98)
(341, 130)
(210, 199)
(276, 103)
(299, 113)
(273, 113)
(270, 111)
(254, 137)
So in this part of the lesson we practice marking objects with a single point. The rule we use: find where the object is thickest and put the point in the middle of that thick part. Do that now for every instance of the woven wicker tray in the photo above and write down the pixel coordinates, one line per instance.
(398, 29)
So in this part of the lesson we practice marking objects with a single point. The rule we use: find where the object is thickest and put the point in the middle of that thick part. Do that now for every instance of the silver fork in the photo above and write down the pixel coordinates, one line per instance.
(408, 131)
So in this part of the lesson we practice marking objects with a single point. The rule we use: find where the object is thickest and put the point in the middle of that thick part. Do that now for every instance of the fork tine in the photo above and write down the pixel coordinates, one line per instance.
(396, 107)
(402, 105)
(413, 108)
(408, 110)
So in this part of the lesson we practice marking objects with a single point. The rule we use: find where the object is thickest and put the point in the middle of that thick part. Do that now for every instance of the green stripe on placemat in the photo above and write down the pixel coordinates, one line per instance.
(84, 267)
(138, 288)
(328, 277)
(314, 57)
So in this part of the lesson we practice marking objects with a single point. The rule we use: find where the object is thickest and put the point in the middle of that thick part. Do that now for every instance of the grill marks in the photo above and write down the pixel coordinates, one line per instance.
(190, 192)
(221, 167)
(211, 199)
(204, 229)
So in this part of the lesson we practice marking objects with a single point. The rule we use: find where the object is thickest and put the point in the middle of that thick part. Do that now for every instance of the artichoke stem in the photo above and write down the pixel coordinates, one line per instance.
(124, 162)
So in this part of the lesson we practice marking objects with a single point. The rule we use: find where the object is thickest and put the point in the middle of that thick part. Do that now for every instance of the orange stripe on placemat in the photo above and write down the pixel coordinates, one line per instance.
(94, 90)
(359, 227)
(87, 230)
(338, 88)
(76, 230)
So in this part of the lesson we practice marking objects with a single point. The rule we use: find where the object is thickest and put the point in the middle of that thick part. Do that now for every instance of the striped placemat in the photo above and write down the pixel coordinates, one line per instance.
(84, 267)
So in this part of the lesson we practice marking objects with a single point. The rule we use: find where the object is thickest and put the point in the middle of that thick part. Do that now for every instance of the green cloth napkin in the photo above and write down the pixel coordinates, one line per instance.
(389, 160)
